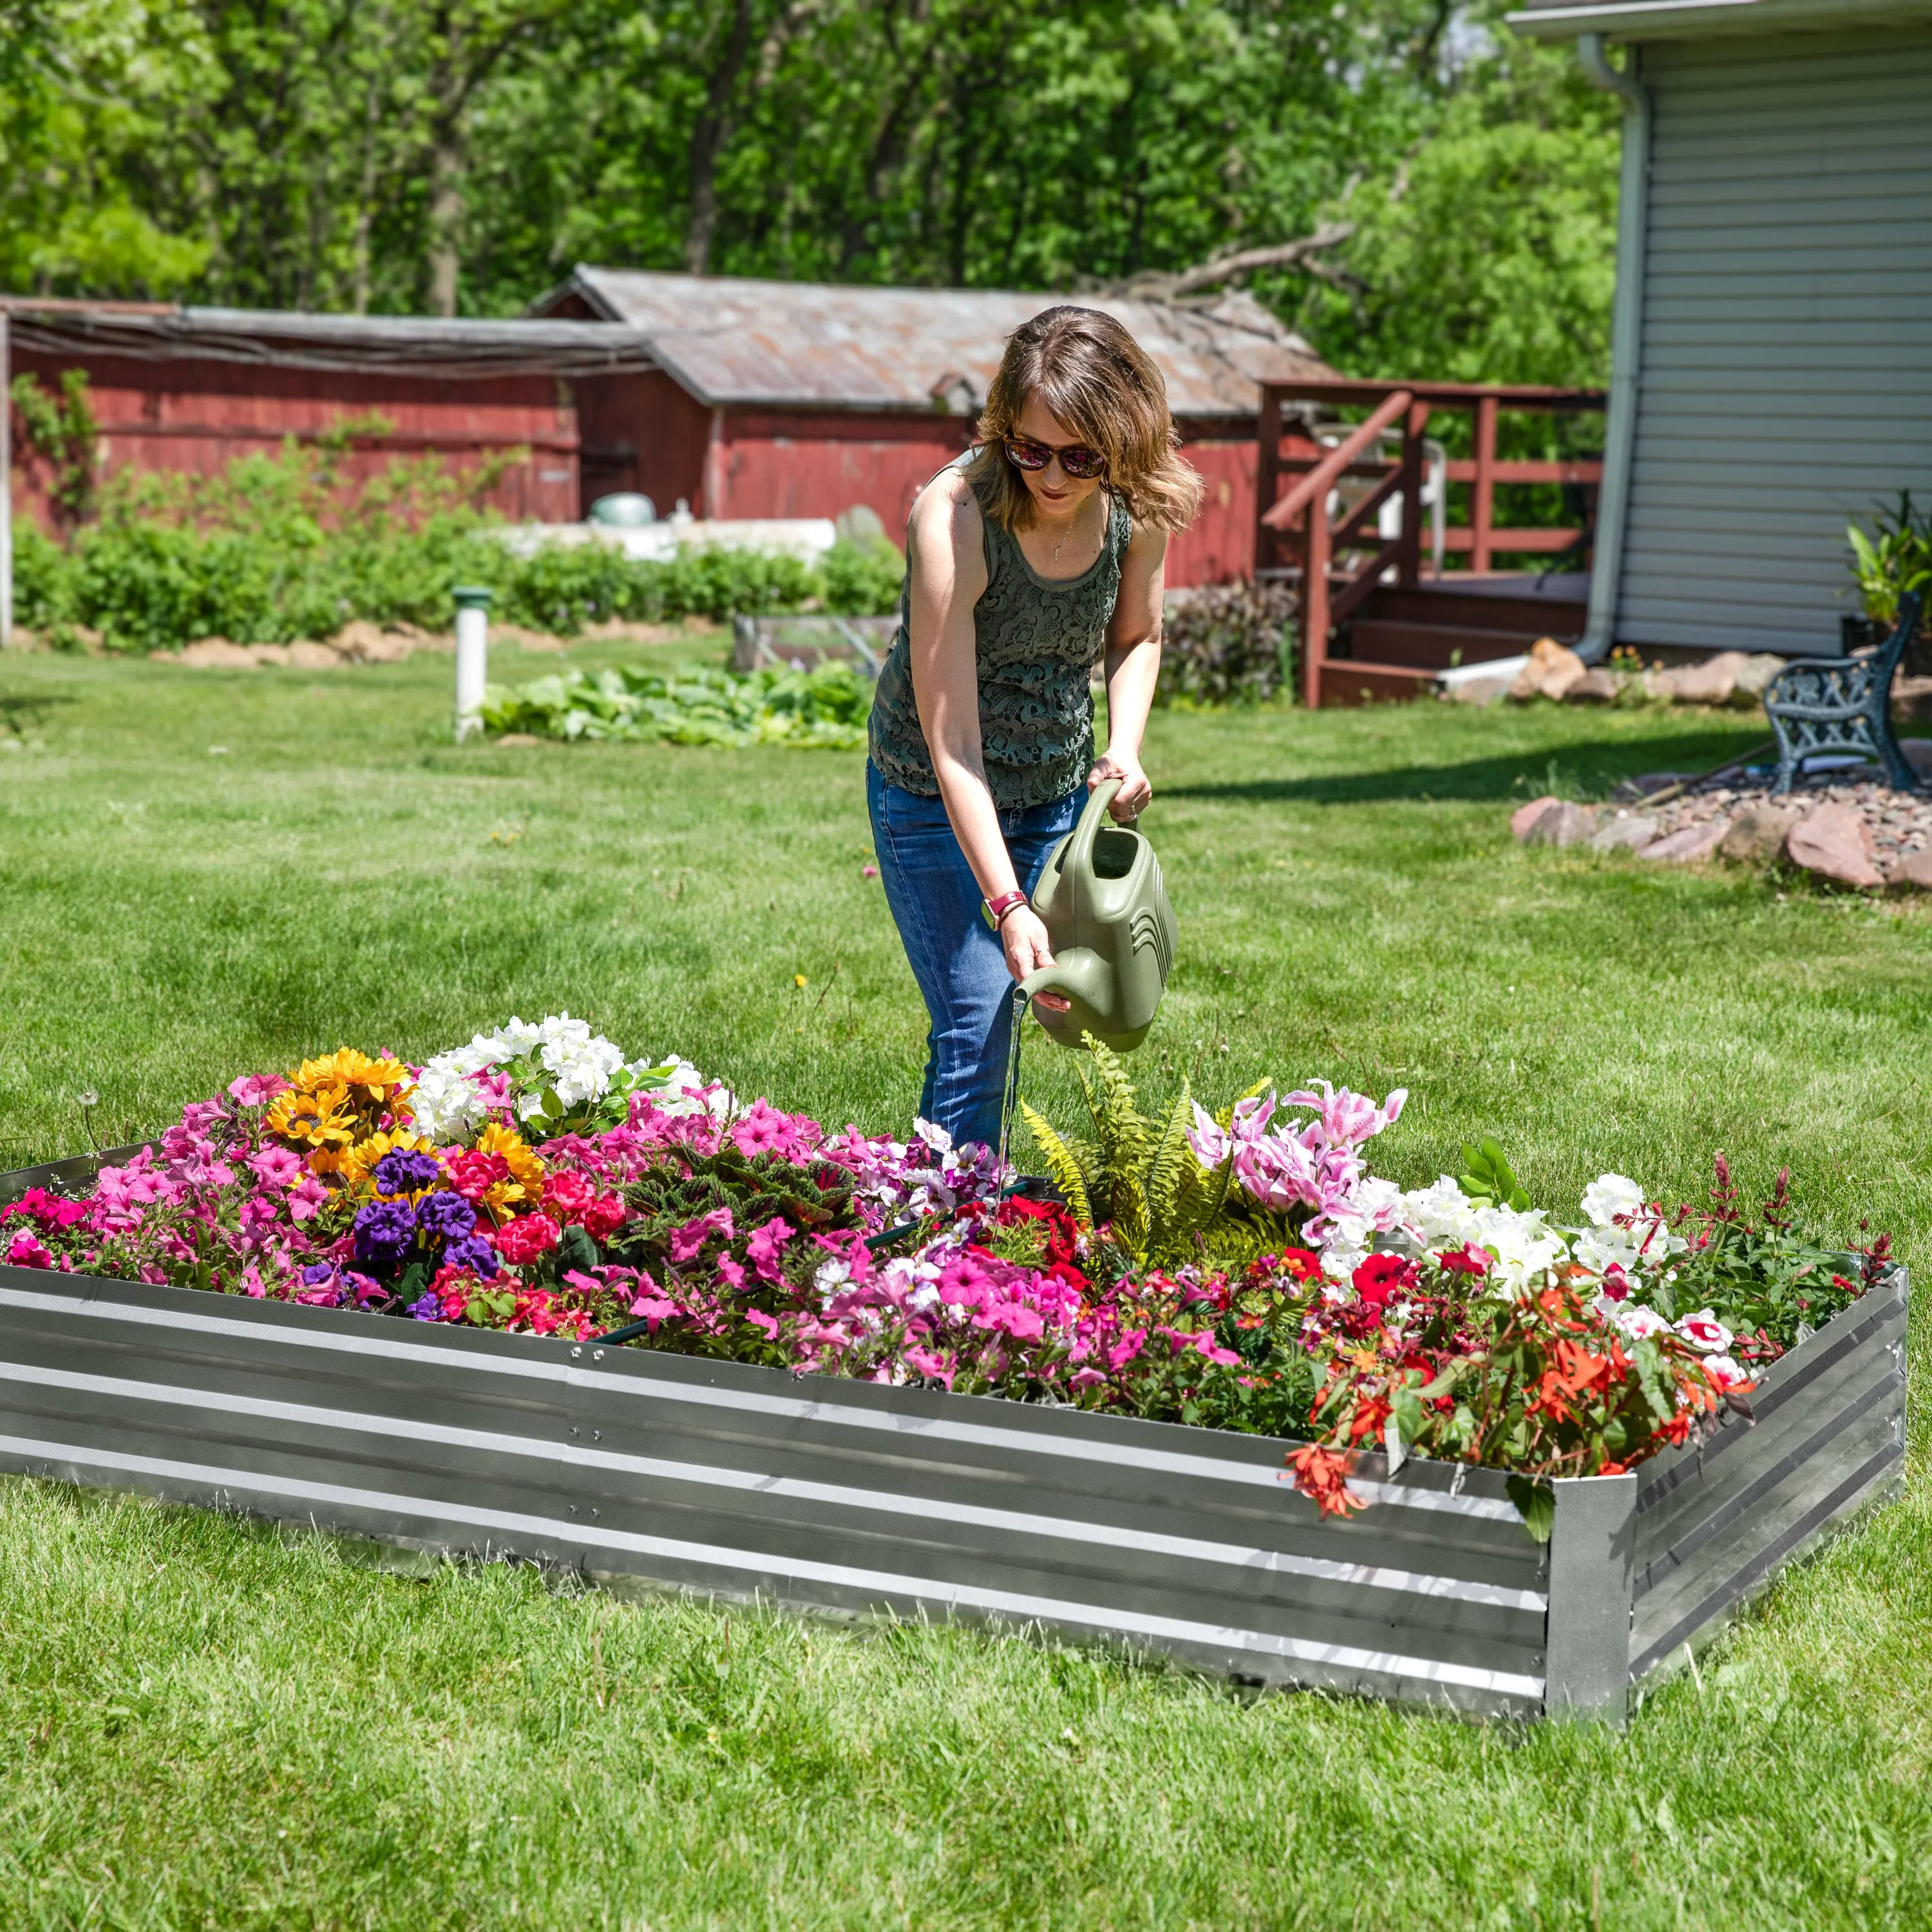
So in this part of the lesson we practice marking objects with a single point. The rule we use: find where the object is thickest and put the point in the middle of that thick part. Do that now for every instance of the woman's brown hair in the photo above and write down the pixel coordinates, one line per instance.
(1085, 368)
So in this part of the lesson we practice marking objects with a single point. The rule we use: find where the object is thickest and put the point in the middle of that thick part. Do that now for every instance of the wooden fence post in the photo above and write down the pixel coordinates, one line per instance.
(1268, 476)
(1482, 496)
(1315, 601)
(1408, 558)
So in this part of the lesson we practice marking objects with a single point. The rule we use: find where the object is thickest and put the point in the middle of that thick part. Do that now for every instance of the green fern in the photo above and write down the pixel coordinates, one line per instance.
(1143, 1178)
(1062, 1165)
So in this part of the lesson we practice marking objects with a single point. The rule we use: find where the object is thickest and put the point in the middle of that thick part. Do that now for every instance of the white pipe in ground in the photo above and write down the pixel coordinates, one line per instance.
(472, 656)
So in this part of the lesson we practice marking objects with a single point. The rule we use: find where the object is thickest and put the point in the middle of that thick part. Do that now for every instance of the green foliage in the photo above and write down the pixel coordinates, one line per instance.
(1228, 643)
(273, 548)
(1140, 1178)
(1488, 1179)
(824, 709)
(1488, 253)
(862, 579)
(60, 430)
(1894, 559)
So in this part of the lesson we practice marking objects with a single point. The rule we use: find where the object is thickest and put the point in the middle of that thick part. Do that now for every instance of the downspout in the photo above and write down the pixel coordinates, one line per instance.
(1626, 341)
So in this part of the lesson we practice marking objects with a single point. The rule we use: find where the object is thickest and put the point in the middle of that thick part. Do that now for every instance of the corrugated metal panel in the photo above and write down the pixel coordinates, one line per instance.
(744, 1482)
(1714, 1524)
(748, 342)
(290, 340)
(1787, 365)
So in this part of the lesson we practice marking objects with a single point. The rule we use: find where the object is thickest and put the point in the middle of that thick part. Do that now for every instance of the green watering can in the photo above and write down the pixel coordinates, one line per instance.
(1113, 934)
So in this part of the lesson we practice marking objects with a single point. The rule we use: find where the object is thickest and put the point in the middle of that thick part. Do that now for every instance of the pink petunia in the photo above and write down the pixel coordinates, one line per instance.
(26, 1250)
(762, 1250)
(308, 1199)
(257, 1090)
(276, 1167)
(688, 1242)
(761, 1131)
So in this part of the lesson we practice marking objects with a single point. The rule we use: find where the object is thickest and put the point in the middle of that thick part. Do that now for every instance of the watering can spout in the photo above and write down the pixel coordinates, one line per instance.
(1104, 907)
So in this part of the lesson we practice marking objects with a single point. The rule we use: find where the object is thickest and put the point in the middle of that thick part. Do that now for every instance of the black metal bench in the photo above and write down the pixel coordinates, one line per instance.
(1842, 704)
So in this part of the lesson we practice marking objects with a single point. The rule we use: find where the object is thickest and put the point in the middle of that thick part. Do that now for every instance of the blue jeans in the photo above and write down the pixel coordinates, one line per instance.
(956, 956)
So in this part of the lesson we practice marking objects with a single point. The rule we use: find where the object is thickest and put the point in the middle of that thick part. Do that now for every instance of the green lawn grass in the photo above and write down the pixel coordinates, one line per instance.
(202, 1723)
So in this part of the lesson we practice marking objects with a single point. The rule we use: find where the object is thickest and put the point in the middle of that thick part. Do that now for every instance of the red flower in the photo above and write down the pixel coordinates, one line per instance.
(524, 1240)
(1379, 1279)
(1322, 1475)
(473, 1174)
(1465, 1260)
(604, 1217)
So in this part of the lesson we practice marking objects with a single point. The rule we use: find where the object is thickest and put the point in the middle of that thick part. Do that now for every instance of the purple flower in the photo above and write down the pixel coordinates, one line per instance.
(317, 1271)
(384, 1230)
(443, 1216)
(473, 1253)
(401, 1172)
(429, 1308)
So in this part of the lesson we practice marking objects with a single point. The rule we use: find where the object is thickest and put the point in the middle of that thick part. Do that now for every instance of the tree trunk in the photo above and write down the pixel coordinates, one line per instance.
(708, 136)
(447, 89)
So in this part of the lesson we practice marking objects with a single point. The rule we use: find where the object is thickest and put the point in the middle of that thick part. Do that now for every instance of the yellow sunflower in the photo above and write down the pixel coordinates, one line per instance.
(381, 1080)
(525, 1186)
(320, 1118)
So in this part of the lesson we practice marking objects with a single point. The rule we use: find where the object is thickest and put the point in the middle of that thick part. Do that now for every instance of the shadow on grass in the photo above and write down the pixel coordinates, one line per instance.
(18, 714)
(1573, 771)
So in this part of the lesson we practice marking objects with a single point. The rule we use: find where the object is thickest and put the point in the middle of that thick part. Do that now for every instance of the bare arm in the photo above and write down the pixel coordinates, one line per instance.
(945, 543)
(1133, 669)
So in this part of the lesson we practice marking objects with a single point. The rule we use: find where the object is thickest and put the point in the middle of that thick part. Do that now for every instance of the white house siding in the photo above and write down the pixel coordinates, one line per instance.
(1785, 377)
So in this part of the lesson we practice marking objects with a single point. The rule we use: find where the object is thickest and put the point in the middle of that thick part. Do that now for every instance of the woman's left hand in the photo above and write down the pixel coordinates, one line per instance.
(1132, 798)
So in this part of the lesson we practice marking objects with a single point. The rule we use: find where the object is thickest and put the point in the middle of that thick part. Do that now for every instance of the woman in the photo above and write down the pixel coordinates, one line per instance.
(1038, 554)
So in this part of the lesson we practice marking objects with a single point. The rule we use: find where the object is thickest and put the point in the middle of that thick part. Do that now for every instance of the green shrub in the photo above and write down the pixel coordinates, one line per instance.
(862, 580)
(276, 548)
(824, 709)
(1228, 643)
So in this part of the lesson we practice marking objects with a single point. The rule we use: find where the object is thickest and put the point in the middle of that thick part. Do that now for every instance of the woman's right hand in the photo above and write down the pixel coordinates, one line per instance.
(1028, 949)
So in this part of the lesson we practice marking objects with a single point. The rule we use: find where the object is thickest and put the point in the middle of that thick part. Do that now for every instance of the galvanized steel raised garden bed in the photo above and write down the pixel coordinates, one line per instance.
(744, 1482)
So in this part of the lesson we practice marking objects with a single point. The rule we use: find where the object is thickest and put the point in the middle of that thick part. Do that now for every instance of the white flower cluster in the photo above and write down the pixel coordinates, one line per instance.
(516, 1065)
(1521, 1244)
(1624, 1232)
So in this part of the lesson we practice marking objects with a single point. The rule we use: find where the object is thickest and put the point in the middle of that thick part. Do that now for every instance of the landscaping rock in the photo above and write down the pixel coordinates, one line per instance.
(1711, 682)
(1479, 690)
(1914, 871)
(1690, 844)
(1568, 824)
(305, 654)
(1552, 670)
(219, 654)
(1835, 842)
(1522, 820)
(362, 643)
(519, 739)
(1626, 832)
(1756, 672)
(1596, 686)
(1756, 836)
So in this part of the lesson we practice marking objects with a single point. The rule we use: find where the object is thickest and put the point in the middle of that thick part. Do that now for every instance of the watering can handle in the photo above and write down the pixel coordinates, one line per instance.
(1080, 850)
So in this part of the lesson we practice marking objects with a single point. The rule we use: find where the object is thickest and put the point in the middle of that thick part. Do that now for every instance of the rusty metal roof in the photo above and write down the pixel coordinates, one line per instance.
(818, 345)
(287, 339)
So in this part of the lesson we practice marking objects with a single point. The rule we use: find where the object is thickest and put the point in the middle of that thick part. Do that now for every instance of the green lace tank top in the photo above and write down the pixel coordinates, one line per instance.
(1037, 642)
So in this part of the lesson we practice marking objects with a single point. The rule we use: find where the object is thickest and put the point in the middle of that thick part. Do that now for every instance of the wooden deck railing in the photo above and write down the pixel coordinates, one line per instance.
(1294, 529)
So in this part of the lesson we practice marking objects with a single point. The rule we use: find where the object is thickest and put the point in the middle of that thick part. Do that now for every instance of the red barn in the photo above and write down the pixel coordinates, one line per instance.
(191, 389)
(804, 399)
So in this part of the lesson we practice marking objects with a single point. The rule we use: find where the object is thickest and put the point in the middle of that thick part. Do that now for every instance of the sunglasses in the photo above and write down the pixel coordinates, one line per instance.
(1076, 459)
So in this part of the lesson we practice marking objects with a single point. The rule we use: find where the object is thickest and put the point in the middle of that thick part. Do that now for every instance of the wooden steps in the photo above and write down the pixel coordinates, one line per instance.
(1399, 640)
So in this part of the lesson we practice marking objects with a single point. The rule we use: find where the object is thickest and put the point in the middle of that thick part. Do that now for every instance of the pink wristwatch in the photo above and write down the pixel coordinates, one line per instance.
(997, 910)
